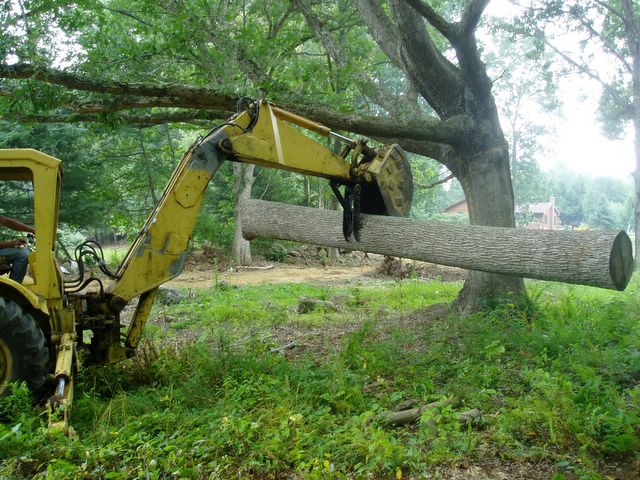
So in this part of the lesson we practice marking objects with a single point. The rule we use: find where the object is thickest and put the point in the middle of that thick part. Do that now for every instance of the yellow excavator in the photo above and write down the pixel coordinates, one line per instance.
(47, 321)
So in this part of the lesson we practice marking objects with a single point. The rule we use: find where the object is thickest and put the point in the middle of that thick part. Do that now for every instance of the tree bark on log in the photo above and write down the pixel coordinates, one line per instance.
(598, 258)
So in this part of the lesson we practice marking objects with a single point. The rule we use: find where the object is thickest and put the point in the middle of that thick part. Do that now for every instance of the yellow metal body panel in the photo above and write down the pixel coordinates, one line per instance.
(275, 143)
(139, 320)
(16, 291)
(158, 252)
(44, 292)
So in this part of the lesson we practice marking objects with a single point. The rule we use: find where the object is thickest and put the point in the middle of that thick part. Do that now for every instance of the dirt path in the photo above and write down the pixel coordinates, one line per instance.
(202, 271)
(273, 273)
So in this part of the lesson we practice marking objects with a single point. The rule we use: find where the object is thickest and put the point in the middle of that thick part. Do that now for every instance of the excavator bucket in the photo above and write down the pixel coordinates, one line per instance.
(390, 191)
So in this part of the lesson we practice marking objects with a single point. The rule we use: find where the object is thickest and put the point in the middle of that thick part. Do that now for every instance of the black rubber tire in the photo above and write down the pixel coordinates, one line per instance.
(23, 348)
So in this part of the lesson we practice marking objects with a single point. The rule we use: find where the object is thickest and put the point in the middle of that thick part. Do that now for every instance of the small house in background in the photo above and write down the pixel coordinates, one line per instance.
(540, 216)
(536, 216)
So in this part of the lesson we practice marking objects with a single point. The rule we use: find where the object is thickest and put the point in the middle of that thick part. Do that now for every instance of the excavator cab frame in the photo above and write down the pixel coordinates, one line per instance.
(45, 174)
(37, 330)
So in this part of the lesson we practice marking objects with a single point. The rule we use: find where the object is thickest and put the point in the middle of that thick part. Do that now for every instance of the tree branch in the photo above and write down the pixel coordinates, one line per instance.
(119, 103)
(606, 43)
(381, 29)
(620, 101)
(435, 77)
(471, 16)
(386, 35)
(611, 9)
(275, 29)
(47, 7)
(434, 183)
(474, 74)
(452, 131)
(125, 13)
(200, 118)
(433, 150)
(632, 29)
(447, 29)
(197, 97)
(452, 31)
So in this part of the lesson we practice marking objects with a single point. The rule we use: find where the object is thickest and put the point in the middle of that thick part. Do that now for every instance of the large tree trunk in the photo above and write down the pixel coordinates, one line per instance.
(632, 29)
(242, 183)
(636, 177)
(486, 181)
(597, 258)
(481, 160)
(636, 132)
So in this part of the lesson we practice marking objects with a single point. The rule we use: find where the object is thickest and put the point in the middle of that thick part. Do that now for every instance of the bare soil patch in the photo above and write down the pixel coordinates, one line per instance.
(205, 269)
(272, 272)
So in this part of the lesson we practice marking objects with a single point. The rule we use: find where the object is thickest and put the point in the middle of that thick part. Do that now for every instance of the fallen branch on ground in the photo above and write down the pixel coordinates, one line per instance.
(284, 348)
(412, 415)
(256, 267)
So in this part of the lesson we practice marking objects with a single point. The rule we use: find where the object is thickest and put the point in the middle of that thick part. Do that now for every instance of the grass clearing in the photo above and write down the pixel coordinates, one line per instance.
(114, 254)
(558, 388)
(254, 306)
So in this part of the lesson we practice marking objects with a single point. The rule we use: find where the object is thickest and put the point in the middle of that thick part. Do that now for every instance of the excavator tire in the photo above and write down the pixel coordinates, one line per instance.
(23, 350)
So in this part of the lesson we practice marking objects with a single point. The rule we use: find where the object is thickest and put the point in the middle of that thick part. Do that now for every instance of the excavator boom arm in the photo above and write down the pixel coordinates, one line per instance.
(263, 135)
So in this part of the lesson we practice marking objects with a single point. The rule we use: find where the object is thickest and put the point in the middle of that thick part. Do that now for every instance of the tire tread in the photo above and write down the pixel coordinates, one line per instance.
(20, 330)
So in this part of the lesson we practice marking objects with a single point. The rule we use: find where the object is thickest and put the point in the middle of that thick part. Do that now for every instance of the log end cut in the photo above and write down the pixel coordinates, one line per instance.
(621, 261)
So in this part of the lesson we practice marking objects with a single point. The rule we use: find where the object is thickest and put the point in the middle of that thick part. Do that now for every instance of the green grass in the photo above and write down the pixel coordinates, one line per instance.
(114, 255)
(558, 385)
(264, 305)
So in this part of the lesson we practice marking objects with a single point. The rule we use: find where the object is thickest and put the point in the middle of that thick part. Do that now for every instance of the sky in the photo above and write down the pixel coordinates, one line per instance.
(578, 142)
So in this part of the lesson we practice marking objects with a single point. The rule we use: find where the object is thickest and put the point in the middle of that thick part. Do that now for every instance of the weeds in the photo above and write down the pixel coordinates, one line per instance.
(557, 385)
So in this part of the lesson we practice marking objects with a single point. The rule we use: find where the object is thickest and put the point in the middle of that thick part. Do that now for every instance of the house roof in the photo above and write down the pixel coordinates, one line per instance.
(535, 208)
(540, 207)
(454, 205)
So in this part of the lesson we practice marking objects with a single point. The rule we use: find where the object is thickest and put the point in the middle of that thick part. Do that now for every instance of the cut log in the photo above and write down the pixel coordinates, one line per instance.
(598, 258)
